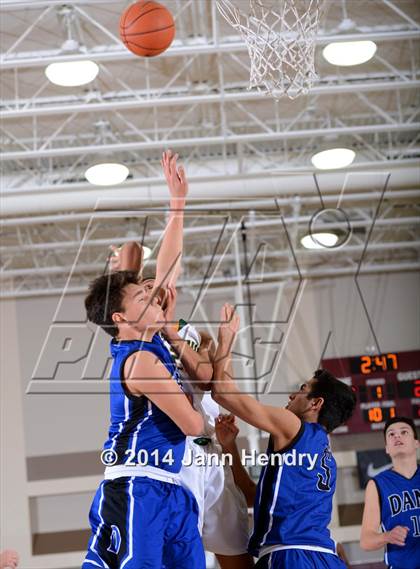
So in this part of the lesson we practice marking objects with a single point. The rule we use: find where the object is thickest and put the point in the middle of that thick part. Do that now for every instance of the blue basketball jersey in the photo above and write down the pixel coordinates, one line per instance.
(140, 433)
(400, 506)
(293, 504)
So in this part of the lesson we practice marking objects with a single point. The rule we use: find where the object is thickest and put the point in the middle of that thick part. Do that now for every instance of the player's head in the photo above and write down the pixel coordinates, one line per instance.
(401, 437)
(119, 302)
(323, 399)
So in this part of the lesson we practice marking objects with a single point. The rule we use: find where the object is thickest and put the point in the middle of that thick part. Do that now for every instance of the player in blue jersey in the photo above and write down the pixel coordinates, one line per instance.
(392, 502)
(293, 502)
(141, 517)
(223, 514)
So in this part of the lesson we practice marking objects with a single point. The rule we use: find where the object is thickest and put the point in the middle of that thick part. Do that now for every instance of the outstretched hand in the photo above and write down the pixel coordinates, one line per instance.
(9, 559)
(397, 535)
(229, 326)
(226, 430)
(175, 175)
(169, 304)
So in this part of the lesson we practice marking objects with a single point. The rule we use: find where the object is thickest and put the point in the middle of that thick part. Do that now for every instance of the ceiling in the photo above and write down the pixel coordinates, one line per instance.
(237, 144)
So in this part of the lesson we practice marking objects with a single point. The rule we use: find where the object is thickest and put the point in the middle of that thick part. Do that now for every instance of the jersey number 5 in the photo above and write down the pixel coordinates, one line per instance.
(324, 478)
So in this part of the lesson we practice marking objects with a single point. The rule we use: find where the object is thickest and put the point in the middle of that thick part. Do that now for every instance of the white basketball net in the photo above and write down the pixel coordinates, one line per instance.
(280, 36)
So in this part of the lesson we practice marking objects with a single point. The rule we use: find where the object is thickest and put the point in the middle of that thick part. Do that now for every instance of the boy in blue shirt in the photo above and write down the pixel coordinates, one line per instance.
(293, 503)
(392, 500)
(141, 517)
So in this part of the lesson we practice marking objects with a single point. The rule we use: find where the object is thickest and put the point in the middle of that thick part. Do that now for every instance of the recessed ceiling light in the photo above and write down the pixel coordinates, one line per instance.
(72, 73)
(146, 252)
(333, 158)
(349, 53)
(107, 174)
(319, 240)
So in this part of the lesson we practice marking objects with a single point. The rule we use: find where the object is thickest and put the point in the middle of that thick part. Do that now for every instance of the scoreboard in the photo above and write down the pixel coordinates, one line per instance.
(386, 385)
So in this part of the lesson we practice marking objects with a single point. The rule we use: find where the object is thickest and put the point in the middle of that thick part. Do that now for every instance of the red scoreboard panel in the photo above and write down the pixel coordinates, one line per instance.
(386, 385)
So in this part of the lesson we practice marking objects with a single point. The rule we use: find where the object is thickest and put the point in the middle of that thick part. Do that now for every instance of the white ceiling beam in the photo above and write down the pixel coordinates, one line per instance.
(150, 192)
(210, 98)
(155, 235)
(233, 204)
(299, 252)
(194, 47)
(332, 272)
(208, 141)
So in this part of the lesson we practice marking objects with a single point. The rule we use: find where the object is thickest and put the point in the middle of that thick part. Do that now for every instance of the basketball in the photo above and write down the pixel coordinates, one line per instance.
(147, 28)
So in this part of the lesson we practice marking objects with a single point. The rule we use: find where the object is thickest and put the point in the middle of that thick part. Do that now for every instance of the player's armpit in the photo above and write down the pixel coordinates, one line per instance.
(146, 375)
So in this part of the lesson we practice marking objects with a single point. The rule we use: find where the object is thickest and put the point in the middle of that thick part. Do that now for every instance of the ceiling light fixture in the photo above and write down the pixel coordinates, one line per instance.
(319, 240)
(349, 53)
(107, 174)
(147, 252)
(333, 158)
(72, 73)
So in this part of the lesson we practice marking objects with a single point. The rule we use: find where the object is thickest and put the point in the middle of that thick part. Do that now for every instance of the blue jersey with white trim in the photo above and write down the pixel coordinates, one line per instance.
(293, 504)
(400, 506)
(140, 433)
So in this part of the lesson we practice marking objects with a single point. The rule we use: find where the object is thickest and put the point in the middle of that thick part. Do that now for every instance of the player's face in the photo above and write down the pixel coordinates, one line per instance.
(160, 295)
(141, 310)
(298, 400)
(399, 440)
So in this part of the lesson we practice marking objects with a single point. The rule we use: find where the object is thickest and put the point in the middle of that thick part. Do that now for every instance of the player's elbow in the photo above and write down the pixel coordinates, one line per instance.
(205, 373)
(131, 257)
(204, 377)
(192, 425)
(365, 542)
(364, 545)
(132, 249)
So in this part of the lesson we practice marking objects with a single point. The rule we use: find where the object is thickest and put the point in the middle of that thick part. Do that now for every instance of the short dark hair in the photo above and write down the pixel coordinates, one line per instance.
(339, 399)
(105, 297)
(406, 420)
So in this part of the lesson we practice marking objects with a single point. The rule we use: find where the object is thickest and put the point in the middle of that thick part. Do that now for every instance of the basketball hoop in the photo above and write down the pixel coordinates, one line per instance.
(280, 37)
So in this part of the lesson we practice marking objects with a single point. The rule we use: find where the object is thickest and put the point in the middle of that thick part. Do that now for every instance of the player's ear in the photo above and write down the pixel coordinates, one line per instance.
(117, 318)
(317, 403)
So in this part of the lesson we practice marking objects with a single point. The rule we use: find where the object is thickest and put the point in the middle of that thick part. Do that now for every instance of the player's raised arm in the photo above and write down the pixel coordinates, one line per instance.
(170, 252)
(371, 537)
(146, 375)
(279, 422)
(197, 364)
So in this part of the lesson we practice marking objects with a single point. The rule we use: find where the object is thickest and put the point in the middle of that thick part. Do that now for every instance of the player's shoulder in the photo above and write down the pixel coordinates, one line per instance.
(146, 362)
(314, 430)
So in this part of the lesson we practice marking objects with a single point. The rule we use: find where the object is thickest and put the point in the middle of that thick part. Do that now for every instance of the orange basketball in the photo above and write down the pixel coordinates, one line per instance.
(147, 28)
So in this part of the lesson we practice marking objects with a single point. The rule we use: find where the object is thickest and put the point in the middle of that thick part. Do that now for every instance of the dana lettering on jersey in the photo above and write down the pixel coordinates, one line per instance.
(408, 500)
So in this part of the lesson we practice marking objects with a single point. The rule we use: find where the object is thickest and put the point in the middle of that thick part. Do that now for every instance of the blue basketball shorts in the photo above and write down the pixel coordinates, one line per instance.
(300, 558)
(141, 523)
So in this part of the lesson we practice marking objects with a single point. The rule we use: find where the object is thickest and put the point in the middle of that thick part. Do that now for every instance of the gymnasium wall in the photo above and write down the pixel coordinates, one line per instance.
(70, 423)
(64, 432)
